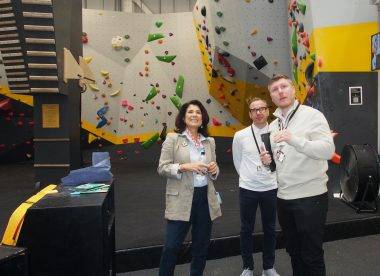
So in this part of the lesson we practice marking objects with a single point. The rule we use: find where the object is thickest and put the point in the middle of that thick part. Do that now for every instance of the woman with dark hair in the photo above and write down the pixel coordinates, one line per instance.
(188, 162)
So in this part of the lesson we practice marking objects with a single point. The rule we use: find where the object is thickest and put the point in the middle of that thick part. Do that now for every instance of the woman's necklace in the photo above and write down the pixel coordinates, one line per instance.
(196, 139)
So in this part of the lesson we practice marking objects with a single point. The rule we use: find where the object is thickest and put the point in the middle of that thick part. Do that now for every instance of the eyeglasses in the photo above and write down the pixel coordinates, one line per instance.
(259, 109)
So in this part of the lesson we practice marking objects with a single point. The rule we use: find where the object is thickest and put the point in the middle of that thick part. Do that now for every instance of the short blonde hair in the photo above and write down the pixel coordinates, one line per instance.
(255, 99)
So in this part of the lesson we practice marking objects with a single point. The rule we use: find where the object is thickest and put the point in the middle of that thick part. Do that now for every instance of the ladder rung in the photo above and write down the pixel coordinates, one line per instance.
(13, 74)
(43, 78)
(40, 40)
(7, 15)
(8, 36)
(5, 42)
(21, 91)
(5, 49)
(12, 55)
(38, 28)
(12, 67)
(7, 29)
(42, 66)
(25, 85)
(38, 14)
(6, 9)
(17, 79)
(37, 2)
(40, 54)
(9, 22)
(44, 90)
(8, 61)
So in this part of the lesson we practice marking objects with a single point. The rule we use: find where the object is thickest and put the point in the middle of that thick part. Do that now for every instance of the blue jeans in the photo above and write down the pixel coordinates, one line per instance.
(249, 200)
(176, 231)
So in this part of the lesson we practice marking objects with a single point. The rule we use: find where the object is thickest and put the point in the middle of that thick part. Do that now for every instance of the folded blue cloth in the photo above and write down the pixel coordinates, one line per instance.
(98, 172)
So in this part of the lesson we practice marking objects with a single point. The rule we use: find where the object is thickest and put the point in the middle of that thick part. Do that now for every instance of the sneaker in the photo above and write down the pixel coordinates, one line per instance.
(247, 272)
(270, 272)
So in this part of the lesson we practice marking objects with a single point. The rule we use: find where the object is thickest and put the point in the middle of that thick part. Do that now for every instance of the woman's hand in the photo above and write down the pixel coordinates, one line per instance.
(212, 168)
(197, 167)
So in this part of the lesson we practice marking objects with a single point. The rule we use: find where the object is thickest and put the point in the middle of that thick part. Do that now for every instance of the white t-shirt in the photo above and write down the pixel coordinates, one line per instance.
(253, 175)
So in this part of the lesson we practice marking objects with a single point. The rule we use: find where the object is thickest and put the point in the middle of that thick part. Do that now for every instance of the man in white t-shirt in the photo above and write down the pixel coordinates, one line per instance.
(302, 143)
(257, 187)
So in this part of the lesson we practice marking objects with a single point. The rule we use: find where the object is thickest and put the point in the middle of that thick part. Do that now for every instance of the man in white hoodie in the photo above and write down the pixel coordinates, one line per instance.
(301, 143)
(257, 187)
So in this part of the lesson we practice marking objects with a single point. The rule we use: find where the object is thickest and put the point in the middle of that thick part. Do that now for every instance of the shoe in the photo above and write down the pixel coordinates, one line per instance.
(270, 272)
(247, 272)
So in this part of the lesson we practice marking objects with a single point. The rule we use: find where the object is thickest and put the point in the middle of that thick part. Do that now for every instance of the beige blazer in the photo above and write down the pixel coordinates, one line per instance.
(179, 192)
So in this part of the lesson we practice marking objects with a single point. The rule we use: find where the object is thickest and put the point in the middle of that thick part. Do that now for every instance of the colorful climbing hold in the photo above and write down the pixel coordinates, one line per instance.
(115, 93)
(216, 122)
(226, 43)
(152, 37)
(294, 42)
(148, 143)
(126, 36)
(152, 93)
(159, 24)
(176, 101)
(93, 87)
(167, 59)
(117, 42)
(301, 4)
(203, 11)
(179, 86)
(219, 13)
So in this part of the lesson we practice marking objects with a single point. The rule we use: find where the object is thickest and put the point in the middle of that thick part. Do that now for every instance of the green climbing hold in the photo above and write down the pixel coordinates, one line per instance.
(148, 143)
(294, 42)
(225, 43)
(127, 48)
(152, 37)
(127, 60)
(126, 36)
(152, 94)
(312, 56)
(219, 13)
(166, 58)
(295, 74)
(301, 4)
(176, 101)
(222, 29)
(159, 24)
(179, 87)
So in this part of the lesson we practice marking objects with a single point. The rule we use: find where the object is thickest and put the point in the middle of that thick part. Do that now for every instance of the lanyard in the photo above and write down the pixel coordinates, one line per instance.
(285, 126)
(254, 136)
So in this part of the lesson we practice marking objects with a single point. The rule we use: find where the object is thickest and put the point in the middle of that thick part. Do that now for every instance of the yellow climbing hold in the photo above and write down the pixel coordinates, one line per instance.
(115, 93)
(91, 138)
(93, 87)
(87, 59)
(104, 73)
(254, 31)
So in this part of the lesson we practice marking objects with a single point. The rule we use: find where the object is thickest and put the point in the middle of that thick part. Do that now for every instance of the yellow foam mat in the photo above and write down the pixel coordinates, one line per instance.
(17, 218)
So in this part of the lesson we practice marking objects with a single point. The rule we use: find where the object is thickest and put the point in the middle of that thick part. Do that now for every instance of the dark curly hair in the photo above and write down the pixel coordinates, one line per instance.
(180, 119)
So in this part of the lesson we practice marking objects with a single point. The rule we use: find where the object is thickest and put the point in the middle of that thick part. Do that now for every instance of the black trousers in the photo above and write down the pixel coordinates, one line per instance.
(302, 221)
(249, 201)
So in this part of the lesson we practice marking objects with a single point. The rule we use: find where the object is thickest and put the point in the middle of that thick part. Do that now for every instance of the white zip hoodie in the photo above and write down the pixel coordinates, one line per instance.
(302, 173)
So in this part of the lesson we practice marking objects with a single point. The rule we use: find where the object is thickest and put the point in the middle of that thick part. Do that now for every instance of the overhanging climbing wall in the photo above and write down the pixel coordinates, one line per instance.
(145, 66)
(243, 43)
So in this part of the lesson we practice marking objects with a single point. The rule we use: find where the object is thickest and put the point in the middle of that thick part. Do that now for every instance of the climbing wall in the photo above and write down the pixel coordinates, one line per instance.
(243, 43)
(145, 66)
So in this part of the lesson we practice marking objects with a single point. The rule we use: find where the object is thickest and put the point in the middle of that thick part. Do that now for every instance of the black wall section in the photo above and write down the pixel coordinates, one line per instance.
(355, 124)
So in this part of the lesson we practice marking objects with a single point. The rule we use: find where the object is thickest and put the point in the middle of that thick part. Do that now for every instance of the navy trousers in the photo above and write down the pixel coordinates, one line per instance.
(176, 232)
(249, 201)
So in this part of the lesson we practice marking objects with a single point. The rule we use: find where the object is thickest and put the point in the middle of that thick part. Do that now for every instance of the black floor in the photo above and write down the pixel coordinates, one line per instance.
(140, 224)
(139, 200)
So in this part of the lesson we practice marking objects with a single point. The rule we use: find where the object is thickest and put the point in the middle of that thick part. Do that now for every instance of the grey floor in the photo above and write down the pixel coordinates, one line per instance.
(358, 256)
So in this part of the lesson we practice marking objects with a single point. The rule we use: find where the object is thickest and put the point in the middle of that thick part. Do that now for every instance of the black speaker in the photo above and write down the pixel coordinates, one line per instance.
(70, 235)
(13, 261)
